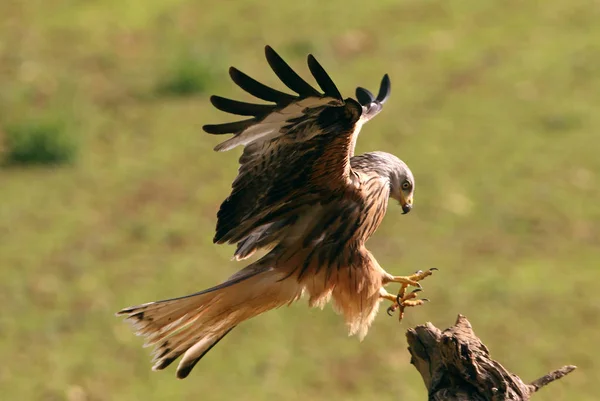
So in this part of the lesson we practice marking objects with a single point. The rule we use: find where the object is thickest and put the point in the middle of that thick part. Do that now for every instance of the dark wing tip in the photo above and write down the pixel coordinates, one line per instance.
(228, 128)
(209, 128)
(272, 55)
(288, 76)
(258, 89)
(241, 108)
(371, 104)
(323, 79)
(364, 96)
(384, 89)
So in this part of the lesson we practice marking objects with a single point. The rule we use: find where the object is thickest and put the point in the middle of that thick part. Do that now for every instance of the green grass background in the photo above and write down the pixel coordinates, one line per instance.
(494, 106)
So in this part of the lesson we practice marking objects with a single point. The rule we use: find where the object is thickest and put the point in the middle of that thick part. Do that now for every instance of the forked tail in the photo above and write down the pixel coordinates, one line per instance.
(192, 325)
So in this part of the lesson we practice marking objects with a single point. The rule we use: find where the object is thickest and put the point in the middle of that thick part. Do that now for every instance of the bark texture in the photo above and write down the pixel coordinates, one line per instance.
(456, 366)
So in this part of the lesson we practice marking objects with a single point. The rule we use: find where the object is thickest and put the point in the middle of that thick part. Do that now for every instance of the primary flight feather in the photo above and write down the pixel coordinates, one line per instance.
(302, 196)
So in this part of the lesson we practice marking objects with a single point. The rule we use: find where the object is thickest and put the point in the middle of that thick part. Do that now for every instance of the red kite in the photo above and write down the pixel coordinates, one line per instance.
(302, 196)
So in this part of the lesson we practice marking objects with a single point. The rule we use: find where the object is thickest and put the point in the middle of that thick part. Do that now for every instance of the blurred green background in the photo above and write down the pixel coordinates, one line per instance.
(109, 188)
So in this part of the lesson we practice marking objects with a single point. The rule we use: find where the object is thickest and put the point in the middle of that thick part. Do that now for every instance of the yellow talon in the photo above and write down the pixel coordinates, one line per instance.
(404, 300)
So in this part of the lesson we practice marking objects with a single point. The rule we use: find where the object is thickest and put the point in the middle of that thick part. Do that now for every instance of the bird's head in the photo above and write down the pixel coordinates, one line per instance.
(402, 186)
(399, 176)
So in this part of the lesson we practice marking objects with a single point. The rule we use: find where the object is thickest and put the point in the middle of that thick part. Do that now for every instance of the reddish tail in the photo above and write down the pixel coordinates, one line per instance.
(192, 325)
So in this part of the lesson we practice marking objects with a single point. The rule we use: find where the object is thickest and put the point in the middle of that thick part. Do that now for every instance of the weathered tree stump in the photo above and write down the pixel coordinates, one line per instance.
(456, 366)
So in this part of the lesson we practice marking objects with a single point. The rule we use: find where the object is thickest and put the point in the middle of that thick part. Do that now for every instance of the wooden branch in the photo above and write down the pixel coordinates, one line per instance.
(456, 366)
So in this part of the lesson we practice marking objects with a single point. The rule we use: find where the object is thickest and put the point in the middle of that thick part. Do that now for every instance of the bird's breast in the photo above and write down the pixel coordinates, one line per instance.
(342, 224)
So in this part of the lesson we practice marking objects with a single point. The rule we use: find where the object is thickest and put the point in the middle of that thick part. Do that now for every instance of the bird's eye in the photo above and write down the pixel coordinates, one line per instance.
(406, 185)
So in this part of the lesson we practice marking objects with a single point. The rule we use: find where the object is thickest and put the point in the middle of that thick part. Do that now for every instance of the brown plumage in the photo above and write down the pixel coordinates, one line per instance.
(302, 196)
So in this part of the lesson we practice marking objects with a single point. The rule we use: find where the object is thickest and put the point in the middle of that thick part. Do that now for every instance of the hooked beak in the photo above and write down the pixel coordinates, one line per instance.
(406, 204)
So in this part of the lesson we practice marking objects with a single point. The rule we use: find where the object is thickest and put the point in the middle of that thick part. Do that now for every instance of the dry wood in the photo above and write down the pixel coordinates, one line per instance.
(456, 366)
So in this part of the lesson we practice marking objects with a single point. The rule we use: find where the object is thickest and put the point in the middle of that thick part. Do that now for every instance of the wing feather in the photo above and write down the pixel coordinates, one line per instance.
(258, 89)
(229, 128)
(373, 105)
(289, 76)
(364, 96)
(296, 152)
(241, 108)
(323, 79)
(384, 89)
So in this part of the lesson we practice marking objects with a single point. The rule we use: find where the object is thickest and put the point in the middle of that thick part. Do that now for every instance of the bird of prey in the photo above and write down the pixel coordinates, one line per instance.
(304, 199)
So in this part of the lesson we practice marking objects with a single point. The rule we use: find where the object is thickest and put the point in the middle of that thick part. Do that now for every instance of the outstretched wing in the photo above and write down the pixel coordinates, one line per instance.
(296, 151)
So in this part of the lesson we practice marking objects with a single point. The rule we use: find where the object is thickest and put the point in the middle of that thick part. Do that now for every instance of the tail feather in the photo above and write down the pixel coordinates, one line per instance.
(192, 325)
(186, 365)
(165, 314)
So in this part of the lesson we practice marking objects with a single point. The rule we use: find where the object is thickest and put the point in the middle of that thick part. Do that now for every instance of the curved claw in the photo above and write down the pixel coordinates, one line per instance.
(425, 300)
(417, 290)
(433, 269)
(391, 310)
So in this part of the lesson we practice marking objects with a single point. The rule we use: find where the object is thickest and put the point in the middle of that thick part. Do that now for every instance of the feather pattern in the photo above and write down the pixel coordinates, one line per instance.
(289, 76)
(301, 194)
(241, 108)
(258, 89)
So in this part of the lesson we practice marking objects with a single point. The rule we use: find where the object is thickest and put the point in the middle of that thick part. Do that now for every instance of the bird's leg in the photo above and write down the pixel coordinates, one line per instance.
(404, 300)
(413, 279)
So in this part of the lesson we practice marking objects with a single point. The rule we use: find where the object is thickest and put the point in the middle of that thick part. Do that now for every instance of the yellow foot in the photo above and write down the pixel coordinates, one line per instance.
(404, 300)
(413, 279)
